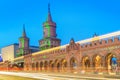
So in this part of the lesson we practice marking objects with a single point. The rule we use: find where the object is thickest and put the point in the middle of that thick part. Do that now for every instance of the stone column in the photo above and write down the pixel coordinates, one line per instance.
(55, 67)
(43, 67)
(48, 67)
(91, 65)
(30, 66)
(35, 66)
(78, 67)
(68, 66)
(104, 68)
(60, 69)
(118, 67)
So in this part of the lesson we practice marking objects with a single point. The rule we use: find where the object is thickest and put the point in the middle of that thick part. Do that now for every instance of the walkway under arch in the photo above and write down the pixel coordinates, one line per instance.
(109, 61)
(41, 66)
(37, 66)
(51, 65)
(57, 65)
(73, 64)
(97, 62)
(45, 65)
(85, 62)
(63, 65)
(33, 66)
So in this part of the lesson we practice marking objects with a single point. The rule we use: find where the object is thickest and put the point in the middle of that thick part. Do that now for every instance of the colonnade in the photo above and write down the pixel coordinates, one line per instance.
(95, 63)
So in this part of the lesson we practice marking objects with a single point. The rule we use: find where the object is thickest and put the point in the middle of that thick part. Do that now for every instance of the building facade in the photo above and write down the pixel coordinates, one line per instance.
(9, 52)
(94, 56)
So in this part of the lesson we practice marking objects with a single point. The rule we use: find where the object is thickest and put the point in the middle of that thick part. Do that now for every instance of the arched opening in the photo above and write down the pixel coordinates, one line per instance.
(73, 64)
(15, 67)
(63, 65)
(51, 63)
(41, 66)
(109, 62)
(97, 62)
(33, 66)
(45, 65)
(57, 65)
(21, 64)
(85, 62)
(36, 66)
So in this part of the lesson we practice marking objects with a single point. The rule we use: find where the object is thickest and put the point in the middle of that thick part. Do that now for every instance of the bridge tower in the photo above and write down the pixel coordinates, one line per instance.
(49, 33)
(23, 43)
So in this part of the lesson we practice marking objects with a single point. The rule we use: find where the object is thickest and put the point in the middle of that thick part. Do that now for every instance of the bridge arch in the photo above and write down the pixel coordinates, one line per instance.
(37, 66)
(85, 62)
(64, 65)
(41, 66)
(33, 66)
(73, 64)
(108, 60)
(51, 65)
(46, 65)
(97, 61)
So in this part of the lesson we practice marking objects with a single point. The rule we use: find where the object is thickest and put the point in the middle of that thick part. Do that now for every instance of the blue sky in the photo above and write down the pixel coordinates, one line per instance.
(78, 19)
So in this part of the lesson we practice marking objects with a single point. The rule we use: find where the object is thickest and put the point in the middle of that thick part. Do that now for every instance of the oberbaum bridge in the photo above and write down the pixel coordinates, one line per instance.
(97, 54)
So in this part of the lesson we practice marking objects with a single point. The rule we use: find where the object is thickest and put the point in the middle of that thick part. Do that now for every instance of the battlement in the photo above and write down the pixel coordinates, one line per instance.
(101, 43)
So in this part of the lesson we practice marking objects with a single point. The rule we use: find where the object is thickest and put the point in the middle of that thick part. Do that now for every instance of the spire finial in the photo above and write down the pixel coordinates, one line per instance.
(49, 7)
(95, 35)
(24, 33)
(49, 18)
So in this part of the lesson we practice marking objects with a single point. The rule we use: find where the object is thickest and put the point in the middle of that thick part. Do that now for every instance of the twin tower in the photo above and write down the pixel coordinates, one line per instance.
(49, 40)
(49, 33)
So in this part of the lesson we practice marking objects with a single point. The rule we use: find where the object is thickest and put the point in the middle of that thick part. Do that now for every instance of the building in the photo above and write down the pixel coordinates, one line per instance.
(23, 44)
(16, 50)
(91, 55)
(9, 52)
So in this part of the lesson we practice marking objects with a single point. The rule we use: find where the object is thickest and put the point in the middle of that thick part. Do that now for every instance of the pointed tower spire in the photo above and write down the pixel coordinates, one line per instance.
(49, 33)
(49, 18)
(49, 7)
(24, 33)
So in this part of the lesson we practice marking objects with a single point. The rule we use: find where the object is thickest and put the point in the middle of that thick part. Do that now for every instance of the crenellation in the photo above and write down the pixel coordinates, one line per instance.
(98, 43)
(87, 45)
(101, 43)
(104, 42)
(110, 41)
(116, 39)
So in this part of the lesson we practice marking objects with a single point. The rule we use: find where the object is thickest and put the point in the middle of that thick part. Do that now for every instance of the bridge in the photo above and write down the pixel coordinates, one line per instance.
(89, 55)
